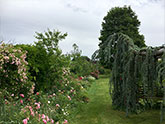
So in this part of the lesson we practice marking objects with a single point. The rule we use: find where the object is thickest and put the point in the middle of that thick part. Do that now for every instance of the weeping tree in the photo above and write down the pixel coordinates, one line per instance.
(138, 74)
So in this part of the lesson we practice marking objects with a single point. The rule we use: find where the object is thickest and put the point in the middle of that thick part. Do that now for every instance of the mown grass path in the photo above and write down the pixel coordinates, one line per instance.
(99, 109)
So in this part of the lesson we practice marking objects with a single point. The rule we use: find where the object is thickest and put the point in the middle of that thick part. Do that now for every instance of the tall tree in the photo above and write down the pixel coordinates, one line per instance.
(120, 20)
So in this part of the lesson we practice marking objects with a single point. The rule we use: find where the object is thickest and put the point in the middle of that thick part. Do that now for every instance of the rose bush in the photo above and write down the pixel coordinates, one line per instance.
(13, 69)
(54, 107)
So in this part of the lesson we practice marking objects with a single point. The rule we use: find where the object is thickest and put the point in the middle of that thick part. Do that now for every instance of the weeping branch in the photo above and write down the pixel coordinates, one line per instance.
(137, 74)
(160, 51)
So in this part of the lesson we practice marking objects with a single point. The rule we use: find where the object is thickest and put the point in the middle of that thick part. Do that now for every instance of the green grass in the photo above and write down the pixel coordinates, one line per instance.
(99, 109)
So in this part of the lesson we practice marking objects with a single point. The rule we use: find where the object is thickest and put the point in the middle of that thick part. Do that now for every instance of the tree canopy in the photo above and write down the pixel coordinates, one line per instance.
(120, 20)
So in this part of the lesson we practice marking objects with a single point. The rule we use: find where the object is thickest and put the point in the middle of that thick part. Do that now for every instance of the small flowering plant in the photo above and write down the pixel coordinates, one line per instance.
(13, 69)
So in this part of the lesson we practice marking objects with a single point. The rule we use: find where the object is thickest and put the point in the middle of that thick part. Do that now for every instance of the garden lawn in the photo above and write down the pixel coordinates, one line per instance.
(99, 109)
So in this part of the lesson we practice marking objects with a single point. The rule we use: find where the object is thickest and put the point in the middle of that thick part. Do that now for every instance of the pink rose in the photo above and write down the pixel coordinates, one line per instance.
(38, 105)
(44, 121)
(25, 121)
(52, 121)
(47, 118)
(43, 116)
(57, 105)
(65, 122)
(21, 101)
(22, 95)
(37, 93)
(32, 113)
(39, 116)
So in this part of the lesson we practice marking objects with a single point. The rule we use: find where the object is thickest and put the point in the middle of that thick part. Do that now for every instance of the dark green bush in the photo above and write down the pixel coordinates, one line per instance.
(45, 59)
(81, 65)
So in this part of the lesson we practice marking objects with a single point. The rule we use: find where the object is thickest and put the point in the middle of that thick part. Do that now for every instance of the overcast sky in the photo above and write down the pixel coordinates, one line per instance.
(81, 19)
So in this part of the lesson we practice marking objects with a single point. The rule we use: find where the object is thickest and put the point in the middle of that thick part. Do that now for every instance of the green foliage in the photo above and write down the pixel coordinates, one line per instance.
(161, 79)
(46, 61)
(119, 20)
(81, 65)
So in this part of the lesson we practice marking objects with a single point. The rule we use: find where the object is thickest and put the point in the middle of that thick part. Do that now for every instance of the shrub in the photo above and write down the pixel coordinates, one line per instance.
(80, 65)
(45, 59)
(90, 78)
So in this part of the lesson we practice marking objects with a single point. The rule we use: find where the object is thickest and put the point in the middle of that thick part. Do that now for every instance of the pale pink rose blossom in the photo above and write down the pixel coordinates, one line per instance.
(12, 62)
(43, 116)
(39, 116)
(57, 105)
(52, 121)
(38, 105)
(32, 113)
(69, 98)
